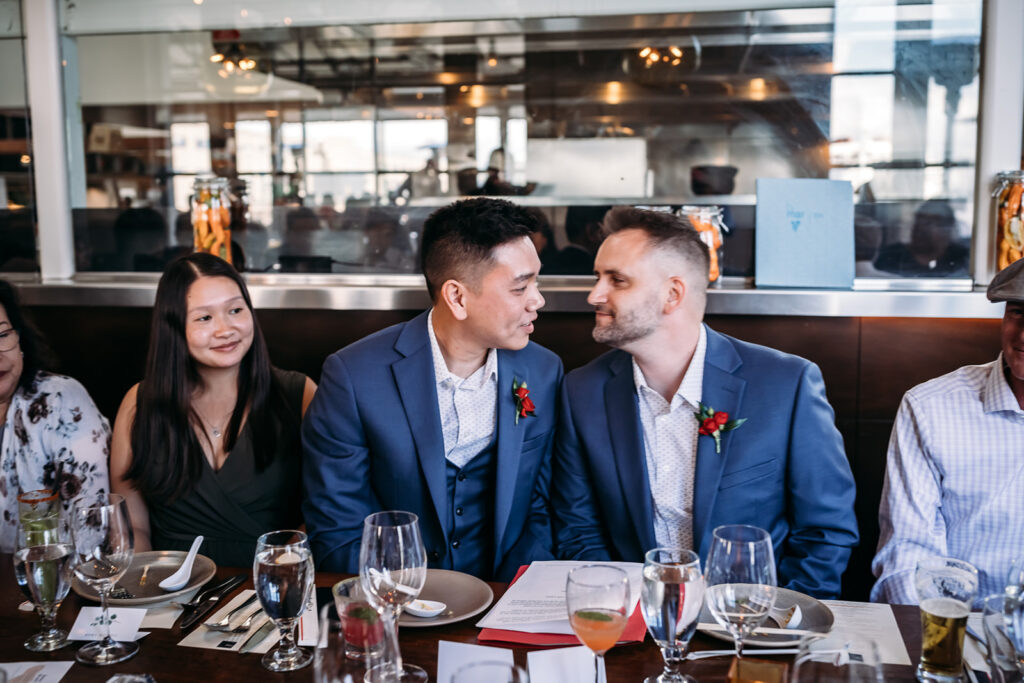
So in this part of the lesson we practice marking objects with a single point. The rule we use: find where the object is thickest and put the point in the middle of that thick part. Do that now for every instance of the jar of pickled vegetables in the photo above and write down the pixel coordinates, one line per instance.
(707, 221)
(1009, 215)
(211, 216)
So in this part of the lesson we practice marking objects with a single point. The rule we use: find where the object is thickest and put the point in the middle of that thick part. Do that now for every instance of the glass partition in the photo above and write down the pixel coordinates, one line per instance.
(17, 221)
(340, 140)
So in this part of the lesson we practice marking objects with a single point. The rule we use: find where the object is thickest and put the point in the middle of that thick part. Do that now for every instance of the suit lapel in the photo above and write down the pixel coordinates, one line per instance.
(722, 390)
(510, 441)
(627, 444)
(414, 375)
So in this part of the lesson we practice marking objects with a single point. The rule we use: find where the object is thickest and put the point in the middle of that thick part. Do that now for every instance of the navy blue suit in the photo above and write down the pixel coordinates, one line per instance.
(372, 441)
(783, 470)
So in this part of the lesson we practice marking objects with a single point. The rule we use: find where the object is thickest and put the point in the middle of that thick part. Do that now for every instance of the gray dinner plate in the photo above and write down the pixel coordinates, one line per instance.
(162, 563)
(465, 595)
(815, 617)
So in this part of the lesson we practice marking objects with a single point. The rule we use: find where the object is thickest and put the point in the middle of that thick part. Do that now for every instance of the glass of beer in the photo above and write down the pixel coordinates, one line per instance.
(946, 589)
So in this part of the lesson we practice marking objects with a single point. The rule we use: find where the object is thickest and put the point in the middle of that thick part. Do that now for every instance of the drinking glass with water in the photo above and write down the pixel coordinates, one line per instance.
(673, 593)
(283, 573)
(43, 562)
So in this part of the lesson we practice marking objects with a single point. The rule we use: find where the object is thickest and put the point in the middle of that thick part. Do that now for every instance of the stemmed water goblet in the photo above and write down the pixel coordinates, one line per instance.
(43, 562)
(104, 547)
(740, 579)
(393, 569)
(673, 593)
(597, 599)
(283, 573)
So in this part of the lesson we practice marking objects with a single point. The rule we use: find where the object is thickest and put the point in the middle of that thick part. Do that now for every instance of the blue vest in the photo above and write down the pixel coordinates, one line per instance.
(470, 520)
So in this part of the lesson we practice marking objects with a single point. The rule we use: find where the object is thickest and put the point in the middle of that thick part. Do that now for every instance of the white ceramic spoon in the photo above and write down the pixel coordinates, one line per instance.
(425, 608)
(179, 579)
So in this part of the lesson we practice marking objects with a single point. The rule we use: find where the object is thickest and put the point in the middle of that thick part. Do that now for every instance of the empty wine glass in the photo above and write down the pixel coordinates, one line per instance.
(393, 569)
(283, 573)
(740, 579)
(43, 562)
(673, 593)
(104, 547)
(597, 599)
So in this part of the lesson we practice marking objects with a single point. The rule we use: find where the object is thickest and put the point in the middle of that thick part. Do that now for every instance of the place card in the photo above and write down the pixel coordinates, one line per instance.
(564, 665)
(35, 672)
(161, 617)
(124, 624)
(453, 656)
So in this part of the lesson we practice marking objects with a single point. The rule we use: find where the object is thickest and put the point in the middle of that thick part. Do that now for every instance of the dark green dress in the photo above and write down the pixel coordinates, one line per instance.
(234, 506)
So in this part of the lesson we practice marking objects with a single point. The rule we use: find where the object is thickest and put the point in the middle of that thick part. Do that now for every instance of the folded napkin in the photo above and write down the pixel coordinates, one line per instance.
(634, 632)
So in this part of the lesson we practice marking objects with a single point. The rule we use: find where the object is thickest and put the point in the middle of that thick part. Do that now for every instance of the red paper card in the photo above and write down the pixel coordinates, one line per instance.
(634, 632)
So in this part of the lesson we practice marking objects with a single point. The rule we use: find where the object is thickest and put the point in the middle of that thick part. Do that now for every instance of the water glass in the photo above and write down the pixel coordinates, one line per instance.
(331, 661)
(283, 573)
(673, 593)
(597, 598)
(104, 548)
(1002, 657)
(392, 570)
(852, 660)
(44, 559)
(741, 580)
(364, 629)
(946, 589)
(490, 672)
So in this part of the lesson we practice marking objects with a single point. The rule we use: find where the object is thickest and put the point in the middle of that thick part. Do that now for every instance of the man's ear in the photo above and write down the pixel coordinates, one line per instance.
(675, 294)
(453, 297)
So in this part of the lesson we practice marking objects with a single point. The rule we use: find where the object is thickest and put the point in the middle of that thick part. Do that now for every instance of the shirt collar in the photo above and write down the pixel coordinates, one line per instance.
(997, 395)
(690, 388)
(441, 372)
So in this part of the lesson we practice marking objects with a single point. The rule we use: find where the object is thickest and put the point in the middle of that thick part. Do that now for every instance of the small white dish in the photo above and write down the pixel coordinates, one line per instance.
(425, 608)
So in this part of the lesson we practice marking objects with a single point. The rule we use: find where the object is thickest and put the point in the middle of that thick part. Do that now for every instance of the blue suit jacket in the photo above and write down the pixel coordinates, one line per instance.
(783, 470)
(372, 441)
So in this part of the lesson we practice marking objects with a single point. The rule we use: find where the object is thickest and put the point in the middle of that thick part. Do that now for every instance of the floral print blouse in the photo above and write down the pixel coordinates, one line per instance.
(54, 437)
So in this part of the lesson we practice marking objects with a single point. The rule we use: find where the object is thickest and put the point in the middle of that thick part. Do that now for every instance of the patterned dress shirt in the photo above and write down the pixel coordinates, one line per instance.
(954, 482)
(469, 407)
(670, 446)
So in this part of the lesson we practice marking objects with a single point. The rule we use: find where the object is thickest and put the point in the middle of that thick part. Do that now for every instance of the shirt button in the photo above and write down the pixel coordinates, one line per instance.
(462, 476)
(458, 511)
(455, 543)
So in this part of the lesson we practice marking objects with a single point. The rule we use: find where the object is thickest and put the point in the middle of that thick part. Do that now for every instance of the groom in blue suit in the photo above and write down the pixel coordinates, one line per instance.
(450, 415)
(634, 467)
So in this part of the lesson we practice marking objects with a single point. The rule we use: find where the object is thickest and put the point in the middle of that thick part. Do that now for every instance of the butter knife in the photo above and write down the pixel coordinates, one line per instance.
(253, 641)
(211, 600)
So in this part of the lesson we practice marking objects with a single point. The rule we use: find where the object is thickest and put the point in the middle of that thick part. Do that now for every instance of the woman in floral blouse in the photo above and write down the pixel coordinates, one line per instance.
(52, 436)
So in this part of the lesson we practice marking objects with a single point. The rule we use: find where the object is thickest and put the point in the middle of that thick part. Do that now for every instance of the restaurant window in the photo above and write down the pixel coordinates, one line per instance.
(17, 206)
(340, 139)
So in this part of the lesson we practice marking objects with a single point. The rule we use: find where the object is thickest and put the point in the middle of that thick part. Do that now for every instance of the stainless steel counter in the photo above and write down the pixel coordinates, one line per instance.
(869, 298)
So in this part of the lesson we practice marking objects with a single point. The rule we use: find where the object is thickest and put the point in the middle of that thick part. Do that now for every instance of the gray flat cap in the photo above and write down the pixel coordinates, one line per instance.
(1008, 284)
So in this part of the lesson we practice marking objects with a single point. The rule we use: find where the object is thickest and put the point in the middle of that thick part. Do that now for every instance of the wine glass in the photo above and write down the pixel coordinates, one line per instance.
(673, 593)
(393, 569)
(104, 547)
(43, 562)
(740, 579)
(597, 598)
(851, 659)
(283, 573)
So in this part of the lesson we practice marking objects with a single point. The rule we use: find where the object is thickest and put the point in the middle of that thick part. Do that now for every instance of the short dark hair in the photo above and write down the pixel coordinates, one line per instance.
(35, 352)
(460, 237)
(665, 231)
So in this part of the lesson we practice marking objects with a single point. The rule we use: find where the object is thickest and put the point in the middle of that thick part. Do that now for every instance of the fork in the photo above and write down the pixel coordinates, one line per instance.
(243, 626)
(222, 625)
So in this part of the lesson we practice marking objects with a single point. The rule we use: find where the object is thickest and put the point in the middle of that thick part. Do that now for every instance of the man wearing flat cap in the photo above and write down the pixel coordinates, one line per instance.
(954, 481)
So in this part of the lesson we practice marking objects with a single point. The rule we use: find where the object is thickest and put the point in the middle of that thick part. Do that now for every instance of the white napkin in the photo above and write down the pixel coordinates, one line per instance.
(453, 656)
(564, 665)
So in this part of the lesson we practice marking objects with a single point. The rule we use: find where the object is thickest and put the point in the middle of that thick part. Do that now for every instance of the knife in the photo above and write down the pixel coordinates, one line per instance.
(210, 600)
(253, 641)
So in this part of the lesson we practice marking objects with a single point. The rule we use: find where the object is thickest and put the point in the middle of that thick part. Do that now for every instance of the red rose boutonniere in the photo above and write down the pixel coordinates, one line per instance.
(715, 423)
(524, 404)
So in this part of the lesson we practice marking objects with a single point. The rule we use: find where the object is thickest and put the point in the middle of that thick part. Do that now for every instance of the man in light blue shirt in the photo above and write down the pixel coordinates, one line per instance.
(955, 472)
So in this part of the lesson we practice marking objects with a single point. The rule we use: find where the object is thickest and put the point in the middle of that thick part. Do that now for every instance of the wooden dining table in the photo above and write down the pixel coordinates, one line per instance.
(161, 657)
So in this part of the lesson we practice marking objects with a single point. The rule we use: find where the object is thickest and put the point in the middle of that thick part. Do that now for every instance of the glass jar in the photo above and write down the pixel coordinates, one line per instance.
(211, 216)
(1009, 215)
(707, 221)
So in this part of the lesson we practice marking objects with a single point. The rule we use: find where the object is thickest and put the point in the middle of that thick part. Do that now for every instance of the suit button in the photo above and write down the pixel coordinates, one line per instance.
(435, 556)
(458, 511)
(455, 543)
(462, 476)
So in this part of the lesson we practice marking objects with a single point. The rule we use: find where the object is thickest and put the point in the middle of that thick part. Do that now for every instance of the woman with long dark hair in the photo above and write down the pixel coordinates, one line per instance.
(208, 442)
(52, 435)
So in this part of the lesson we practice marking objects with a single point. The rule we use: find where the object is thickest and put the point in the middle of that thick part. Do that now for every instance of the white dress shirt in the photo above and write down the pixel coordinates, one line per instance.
(469, 407)
(670, 445)
(954, 481)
